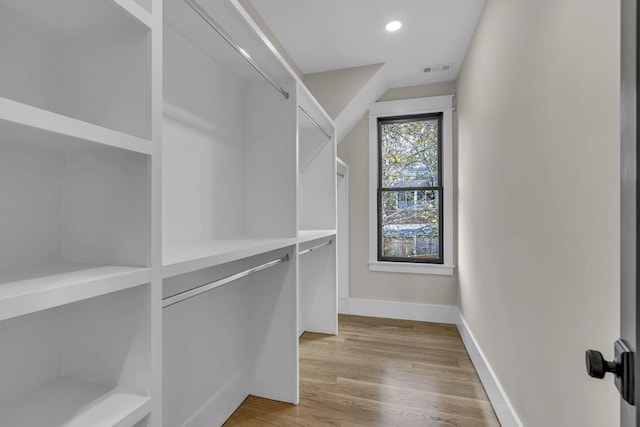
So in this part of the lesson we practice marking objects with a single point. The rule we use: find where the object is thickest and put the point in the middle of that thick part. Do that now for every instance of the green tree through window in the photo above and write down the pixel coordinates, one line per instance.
(410, 189)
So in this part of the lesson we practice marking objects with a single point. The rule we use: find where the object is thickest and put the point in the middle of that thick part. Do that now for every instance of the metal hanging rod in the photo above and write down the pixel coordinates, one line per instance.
(213, 24)
(314, 122)
(166, 302)
(306, 251)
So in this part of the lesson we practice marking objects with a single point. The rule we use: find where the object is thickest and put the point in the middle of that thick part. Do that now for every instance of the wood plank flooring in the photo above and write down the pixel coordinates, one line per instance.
(379, 372)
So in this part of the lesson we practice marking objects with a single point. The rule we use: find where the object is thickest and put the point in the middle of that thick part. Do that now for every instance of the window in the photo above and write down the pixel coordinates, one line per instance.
(411, 201)
(410, 189)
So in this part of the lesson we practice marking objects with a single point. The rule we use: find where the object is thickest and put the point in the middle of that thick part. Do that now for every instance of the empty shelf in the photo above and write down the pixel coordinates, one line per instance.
(26, 290)
(187, 257)
(33, 126)
(309, 235)
(66, 402)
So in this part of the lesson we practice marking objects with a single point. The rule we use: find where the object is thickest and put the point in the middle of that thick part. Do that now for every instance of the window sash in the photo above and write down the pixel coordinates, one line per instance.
(439, 189)
(406, 119)
(412, 259)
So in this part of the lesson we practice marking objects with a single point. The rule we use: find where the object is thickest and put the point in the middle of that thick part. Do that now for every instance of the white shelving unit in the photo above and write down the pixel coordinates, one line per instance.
(160, 192)
(236, 339)
(316, 166)
(228, 135)
(78, 144)
(317, 218)
(229, 205)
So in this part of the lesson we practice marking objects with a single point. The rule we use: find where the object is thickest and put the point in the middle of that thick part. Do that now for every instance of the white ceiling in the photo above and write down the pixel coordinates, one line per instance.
(322, 35)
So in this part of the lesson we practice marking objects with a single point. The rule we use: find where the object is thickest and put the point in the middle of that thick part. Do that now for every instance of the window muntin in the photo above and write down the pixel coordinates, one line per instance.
(410, 189)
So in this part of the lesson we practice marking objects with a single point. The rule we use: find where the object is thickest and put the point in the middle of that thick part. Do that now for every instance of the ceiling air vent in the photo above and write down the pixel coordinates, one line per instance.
(435, 68)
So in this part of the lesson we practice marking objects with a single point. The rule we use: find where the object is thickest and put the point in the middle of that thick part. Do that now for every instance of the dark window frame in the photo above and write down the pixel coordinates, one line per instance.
(439, 189)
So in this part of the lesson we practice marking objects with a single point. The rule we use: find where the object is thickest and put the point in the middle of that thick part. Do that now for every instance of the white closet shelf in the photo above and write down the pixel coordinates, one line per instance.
(27, 290)
(66, 402)
(309, 235)
(187, 257)
(40, 128)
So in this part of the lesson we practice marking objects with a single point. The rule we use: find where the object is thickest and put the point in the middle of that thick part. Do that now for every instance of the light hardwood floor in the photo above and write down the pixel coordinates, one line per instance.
(379, 372)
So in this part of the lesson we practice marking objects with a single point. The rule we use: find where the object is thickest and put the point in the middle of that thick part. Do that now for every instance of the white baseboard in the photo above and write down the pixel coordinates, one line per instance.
(499, 400)
(222, 404)
(403, 310)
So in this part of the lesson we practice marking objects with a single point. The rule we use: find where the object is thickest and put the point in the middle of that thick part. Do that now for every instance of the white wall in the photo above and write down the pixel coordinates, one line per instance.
(397, 287)
(538, 201)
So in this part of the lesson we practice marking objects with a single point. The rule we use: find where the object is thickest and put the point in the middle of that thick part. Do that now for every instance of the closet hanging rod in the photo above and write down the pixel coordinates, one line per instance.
(213, 24)
(314, 122)
(166, 302)
(321, 245)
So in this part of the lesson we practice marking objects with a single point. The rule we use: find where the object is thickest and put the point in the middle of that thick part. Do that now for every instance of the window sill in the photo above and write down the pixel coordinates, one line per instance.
(400, 267)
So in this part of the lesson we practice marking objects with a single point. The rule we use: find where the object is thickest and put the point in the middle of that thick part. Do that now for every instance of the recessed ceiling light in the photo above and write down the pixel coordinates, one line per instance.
(394, 26)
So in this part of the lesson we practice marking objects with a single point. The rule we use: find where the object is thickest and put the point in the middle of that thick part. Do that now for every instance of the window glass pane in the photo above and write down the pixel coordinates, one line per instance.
(409, 156)
(410, 224)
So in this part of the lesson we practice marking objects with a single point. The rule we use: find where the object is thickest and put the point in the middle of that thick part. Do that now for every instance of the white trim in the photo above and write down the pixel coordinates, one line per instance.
(407, 267)
(432, 104)
(403, 310)
(435, 104)
(499, 400)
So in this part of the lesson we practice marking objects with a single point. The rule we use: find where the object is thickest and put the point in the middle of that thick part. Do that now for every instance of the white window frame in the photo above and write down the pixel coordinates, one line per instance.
(434, 104)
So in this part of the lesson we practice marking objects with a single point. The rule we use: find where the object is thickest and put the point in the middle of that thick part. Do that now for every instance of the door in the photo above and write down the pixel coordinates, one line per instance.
(629, 195)
(625, 356)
